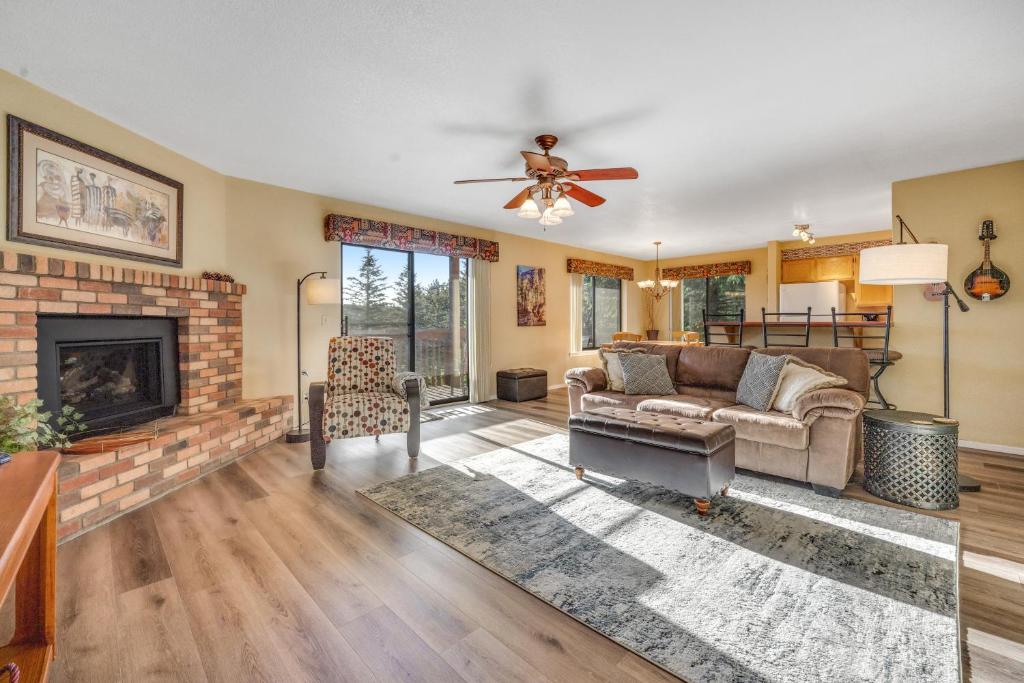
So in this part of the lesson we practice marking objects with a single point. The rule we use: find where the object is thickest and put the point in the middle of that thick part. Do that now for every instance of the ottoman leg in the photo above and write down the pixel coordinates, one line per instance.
(703, 505)
(579, 472)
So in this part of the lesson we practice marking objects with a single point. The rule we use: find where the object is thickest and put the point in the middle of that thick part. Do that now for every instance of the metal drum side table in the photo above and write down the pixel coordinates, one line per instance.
(911, 459)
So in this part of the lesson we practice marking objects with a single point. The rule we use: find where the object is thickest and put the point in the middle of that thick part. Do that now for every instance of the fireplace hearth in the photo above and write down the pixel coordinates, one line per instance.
(116, 371)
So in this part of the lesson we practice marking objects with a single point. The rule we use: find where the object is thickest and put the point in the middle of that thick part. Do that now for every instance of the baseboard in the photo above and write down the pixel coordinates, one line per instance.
(994, 447)
(552, 387)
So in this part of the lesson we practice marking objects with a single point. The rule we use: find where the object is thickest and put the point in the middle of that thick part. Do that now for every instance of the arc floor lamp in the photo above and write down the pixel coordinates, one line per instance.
(322, 290)
(918, 263)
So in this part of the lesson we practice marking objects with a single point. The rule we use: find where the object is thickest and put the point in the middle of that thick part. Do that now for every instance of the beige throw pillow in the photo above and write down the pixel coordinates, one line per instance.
(613, 366)
(799, 378)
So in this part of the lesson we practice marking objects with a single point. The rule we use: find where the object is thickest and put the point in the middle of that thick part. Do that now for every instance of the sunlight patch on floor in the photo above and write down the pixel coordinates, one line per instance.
(1000, 646)
(945, 551)
(996, 566)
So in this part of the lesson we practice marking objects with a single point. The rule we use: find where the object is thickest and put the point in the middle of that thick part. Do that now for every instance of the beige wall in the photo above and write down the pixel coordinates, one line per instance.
(267, 236)
(276, 236)
(987, 366)
(205, 234)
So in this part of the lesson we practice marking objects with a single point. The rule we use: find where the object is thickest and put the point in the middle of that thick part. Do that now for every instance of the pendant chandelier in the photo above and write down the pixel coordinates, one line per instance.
(657, 288)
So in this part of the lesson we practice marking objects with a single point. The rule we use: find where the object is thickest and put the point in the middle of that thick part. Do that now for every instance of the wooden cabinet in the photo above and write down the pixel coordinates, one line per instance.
(834, 268)
(872, 295)
(801, 270)
(842, 268)
(28, 559)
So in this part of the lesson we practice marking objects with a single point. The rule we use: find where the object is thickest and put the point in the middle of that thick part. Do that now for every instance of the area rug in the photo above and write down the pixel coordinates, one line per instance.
(775, 584)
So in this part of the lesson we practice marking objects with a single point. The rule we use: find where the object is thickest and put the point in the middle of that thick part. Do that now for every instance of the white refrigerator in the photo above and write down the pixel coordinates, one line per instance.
(820, 296)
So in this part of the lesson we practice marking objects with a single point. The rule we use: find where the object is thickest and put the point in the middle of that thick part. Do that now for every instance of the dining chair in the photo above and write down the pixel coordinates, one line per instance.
(731, 324)
(796, 328)
(856, 330)
(626, 336)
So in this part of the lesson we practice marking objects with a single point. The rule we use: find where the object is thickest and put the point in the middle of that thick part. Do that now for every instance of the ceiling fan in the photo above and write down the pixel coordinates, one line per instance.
(551, 176)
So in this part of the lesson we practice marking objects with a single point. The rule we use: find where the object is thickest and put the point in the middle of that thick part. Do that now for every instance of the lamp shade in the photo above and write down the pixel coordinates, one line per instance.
(324, 290)
(904, 264)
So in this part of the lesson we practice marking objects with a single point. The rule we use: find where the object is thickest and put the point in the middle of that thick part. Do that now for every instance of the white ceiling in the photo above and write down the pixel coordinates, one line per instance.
(742, 117)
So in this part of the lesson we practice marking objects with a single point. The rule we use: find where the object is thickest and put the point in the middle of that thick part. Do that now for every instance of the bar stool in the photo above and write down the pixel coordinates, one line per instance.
(880, 356)
(732, 324)
(800, 338)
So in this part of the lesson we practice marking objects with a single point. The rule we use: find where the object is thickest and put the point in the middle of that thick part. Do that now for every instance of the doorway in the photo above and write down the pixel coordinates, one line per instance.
(420, 301)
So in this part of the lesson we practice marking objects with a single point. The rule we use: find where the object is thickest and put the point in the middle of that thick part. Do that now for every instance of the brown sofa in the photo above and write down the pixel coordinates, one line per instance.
(819, 442)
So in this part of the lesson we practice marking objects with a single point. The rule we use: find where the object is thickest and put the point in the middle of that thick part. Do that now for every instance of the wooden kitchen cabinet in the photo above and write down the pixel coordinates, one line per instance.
(800, 270)
(872, 295)
(834, 268)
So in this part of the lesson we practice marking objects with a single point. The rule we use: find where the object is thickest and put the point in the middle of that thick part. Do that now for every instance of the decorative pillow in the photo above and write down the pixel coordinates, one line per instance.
(799, 378)
(760, 380)
(646, 374)
(613, 366)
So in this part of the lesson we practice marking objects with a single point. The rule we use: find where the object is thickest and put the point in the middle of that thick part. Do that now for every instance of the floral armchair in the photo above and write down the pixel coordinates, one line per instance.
(363, 396)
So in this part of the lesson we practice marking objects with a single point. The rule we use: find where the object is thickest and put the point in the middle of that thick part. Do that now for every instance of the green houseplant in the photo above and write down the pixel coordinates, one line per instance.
(23, 427)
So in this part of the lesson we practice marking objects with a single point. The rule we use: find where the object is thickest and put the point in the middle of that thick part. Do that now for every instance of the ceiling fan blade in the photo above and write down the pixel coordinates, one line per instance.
(583, 196)
(537, 162)
(518, 200)
(625, 173)
(489, 180)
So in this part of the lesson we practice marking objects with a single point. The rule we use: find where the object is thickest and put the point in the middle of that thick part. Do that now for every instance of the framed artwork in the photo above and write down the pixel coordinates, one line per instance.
(66, 194)
(530, 296)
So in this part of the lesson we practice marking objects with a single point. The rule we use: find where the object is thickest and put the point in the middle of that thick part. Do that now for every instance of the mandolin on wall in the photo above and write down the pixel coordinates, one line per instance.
(987, 282)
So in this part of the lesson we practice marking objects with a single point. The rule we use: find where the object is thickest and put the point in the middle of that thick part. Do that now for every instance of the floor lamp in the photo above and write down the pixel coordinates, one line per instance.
(917, 264)
(323, 290)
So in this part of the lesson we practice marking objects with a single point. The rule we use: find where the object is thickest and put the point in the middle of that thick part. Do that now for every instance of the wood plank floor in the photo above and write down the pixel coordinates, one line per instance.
(265, 570)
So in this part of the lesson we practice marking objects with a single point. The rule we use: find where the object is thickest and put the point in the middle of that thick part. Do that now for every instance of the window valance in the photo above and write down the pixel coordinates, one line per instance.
(585, 267)
(706, 270)
(367, 233)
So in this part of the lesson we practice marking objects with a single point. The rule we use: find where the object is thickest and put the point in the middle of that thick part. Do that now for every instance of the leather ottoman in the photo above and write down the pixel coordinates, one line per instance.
(695, 457)
(522, 384)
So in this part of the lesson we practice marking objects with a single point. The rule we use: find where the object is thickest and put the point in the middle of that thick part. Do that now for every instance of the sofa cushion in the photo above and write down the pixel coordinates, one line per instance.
(682, 405)
(611, 399)
(845, 362)
(766, 427)
(717, 367)
(760, 380)
(669, 351)
(613, 366)
(645, 374)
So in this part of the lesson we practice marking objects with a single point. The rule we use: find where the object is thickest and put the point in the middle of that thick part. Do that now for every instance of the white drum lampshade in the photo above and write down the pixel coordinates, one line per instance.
(904, 264)
(324, 290)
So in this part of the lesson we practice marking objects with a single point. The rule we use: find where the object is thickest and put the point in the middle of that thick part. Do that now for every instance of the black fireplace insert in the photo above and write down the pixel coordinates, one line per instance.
(116, 371)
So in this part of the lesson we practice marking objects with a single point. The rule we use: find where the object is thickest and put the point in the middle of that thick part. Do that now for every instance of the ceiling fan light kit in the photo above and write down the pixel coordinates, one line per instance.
(551, 175)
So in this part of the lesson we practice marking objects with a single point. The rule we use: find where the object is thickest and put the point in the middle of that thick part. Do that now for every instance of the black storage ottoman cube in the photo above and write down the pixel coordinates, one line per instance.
(522, 384)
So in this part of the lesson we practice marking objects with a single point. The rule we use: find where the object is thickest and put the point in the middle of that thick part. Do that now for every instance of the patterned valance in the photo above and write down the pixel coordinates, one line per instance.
(367, 233)
(585, 267)
(826, 250)
(706, 270)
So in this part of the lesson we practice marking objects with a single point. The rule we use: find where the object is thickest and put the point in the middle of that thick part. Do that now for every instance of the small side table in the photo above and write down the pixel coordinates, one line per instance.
(911, 459)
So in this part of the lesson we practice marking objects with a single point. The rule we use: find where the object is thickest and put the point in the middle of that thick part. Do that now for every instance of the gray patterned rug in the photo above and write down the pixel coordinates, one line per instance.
(775, 584)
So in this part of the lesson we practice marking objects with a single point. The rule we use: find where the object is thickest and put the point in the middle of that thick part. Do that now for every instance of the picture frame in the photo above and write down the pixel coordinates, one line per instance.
(531, 297)
(82, 198)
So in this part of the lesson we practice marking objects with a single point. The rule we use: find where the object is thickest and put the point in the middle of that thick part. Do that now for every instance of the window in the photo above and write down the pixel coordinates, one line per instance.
(602, 310)
(721, 294)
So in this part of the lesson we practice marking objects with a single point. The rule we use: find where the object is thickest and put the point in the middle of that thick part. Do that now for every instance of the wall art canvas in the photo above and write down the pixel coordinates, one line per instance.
(67, 194)
(530, 296)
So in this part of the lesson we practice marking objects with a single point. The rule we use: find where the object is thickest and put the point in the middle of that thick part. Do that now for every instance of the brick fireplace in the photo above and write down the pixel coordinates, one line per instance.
(212, 426)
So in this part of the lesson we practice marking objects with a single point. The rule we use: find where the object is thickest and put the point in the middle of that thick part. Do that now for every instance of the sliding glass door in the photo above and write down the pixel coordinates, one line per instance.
(419, 300)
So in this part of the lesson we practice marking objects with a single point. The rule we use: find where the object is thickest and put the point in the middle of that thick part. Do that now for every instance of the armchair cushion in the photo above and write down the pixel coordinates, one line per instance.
(360, 364)
(592, 379)
(398, 386)
(832, 401)
(365, 414)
